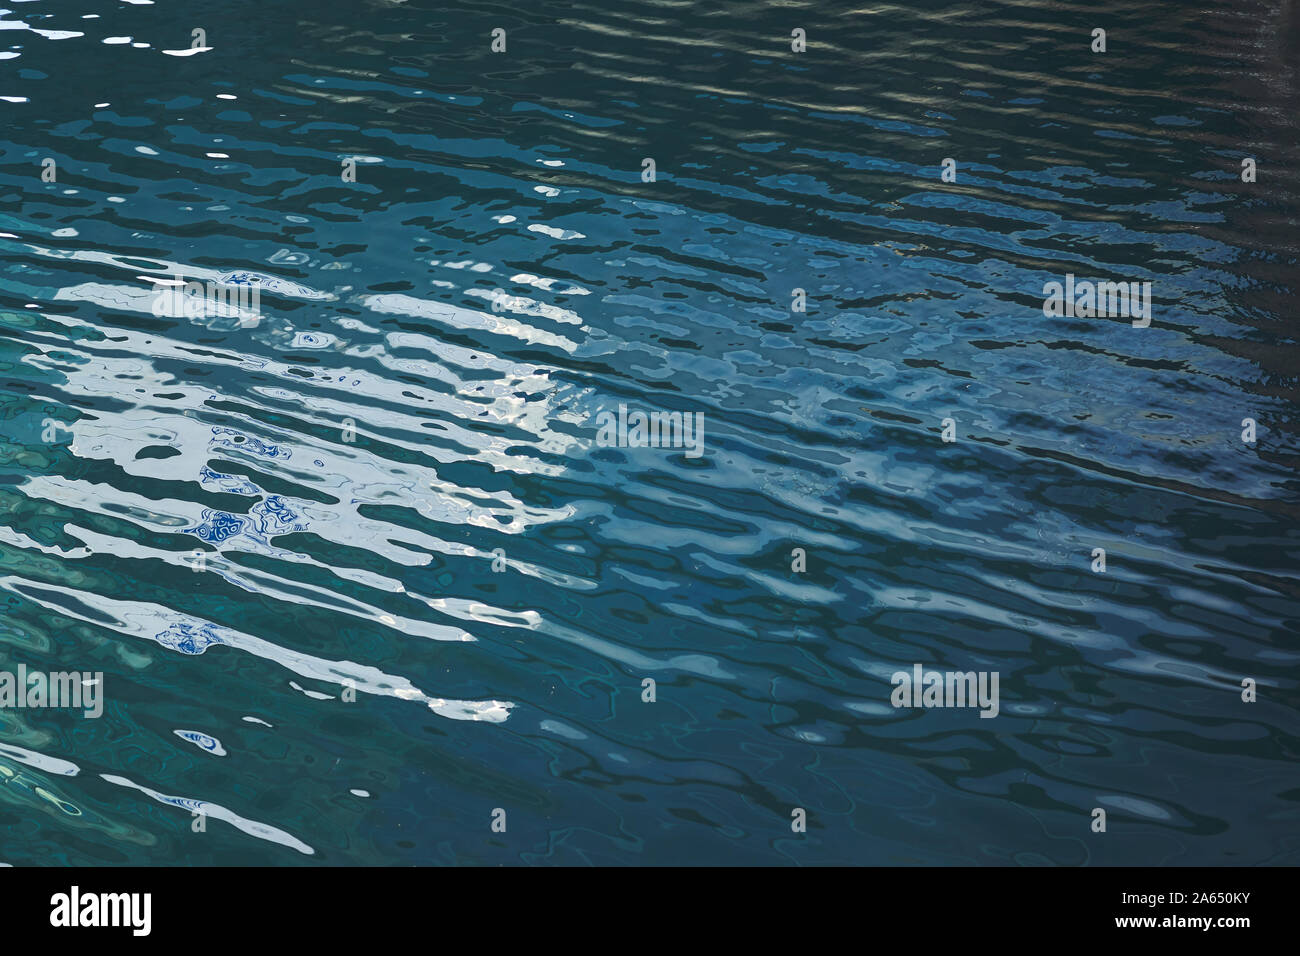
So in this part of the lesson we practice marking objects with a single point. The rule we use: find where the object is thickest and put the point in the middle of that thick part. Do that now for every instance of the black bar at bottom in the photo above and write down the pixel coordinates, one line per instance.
(384, 906)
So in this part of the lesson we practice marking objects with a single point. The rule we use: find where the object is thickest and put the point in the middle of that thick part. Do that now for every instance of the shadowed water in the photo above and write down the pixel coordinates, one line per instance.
(417, 401)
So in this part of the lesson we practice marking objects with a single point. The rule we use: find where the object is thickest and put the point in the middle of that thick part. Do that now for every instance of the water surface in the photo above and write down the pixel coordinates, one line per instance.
(351, 466)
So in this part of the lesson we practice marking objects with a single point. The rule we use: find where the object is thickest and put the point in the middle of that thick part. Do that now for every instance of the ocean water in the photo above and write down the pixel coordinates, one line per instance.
(363, 579)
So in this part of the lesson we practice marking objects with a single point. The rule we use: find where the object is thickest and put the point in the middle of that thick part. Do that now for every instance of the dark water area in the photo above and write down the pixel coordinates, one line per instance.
(359, 572)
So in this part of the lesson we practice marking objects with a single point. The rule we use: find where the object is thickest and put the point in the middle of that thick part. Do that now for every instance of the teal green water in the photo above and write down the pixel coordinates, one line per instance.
(426, 589)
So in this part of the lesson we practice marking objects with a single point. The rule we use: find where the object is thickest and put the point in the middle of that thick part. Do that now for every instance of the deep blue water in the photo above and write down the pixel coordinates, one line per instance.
(419, 397)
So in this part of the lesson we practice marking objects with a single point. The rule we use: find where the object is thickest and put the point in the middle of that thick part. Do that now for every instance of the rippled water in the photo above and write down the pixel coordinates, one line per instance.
(418, 399)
